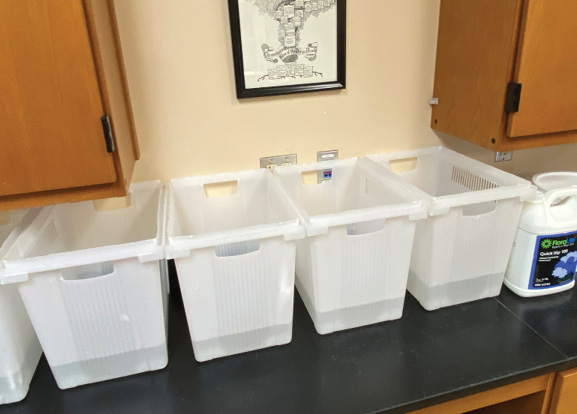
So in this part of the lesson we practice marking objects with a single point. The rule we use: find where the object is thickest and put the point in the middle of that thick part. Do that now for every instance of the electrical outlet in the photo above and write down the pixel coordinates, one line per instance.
(502, 156)
(271, 162)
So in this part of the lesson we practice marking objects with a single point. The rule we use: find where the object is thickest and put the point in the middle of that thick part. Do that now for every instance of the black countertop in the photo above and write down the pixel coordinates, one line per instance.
(554, 318)
(422, 359)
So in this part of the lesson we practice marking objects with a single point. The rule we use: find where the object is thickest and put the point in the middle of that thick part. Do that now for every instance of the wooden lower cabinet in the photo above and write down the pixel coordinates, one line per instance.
(547, 394)
(564, 399)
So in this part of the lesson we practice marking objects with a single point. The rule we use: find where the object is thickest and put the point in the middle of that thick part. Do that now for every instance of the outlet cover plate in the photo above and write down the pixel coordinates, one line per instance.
(502, 156)
(278, 160)
(327, 155)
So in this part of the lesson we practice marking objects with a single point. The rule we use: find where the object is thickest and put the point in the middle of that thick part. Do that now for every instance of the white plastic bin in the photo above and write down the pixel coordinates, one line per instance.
(352, 268)
(461, 250)
(232, 237)
(20, 350)
(93, 283)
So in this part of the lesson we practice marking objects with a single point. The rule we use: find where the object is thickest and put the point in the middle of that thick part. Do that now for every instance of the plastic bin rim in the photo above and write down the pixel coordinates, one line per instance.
(412, 205)
(317, 165)
(435, 150)
(438, 205)
(388, 180)
(216, 178)
(145, 250)
(379, 212)
(290, 230)
(489, 172)
(442, 204)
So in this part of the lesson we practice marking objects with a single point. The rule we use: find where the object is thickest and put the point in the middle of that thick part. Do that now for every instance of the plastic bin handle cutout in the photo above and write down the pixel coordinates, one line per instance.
(222, 189)
(403, 165)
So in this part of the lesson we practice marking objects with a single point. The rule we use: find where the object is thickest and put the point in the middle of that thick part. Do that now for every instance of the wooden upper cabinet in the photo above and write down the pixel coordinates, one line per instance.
(61, 70)
(51, 105)
(547, 69)
(485, 45)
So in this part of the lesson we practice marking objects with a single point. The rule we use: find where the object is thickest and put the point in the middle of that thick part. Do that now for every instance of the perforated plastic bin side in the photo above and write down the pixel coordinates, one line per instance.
(99, 312)
(235, 258)
(102, 327)
(20, 350)
(461, 250)
(352, 268)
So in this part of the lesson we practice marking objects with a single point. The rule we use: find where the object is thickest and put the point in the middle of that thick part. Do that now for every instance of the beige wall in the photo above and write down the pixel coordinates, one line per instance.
(179, 63)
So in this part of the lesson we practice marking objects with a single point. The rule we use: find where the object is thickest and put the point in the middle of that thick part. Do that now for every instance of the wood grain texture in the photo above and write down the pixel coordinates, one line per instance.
(122, 78)
(68, 195)
(102, 13)
(50, 103)
(472, 73)
(529, 404)
(505, 143)
(564, 400)
(547, 68)
(491, 397)
(103, 35)
(537, 403)
(475, 44)
(549, 394)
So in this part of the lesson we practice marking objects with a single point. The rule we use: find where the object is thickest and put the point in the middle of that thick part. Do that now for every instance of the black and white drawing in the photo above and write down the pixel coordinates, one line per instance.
(286, 46)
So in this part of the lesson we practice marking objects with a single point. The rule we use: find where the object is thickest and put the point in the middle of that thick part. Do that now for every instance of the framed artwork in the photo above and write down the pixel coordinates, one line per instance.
(288, 46)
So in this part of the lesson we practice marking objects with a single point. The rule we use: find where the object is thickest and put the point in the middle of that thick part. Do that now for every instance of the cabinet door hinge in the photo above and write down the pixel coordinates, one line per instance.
(513, 97)
(108, 137)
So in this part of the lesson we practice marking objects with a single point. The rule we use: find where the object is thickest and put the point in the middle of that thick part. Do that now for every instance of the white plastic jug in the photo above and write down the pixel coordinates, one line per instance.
(544, 257)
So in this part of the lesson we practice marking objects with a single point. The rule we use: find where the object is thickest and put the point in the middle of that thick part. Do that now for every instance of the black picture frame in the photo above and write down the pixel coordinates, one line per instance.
(239, 68)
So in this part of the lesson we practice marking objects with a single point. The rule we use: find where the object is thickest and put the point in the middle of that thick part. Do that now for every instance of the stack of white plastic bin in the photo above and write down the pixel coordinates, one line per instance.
(94, 285)
(352, 268)
(461, 250)
(20, 350)
(232, 238)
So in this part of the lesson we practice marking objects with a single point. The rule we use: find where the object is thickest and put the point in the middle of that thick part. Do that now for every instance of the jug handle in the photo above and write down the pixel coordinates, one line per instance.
(553, 195)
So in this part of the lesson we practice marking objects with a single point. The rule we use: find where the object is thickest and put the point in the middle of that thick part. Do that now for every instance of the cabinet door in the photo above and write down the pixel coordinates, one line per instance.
(50, 103)
(547, 69)
(564, 399)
